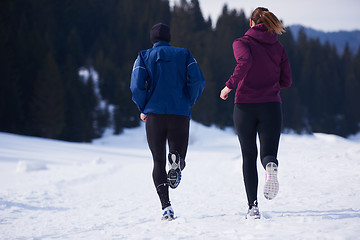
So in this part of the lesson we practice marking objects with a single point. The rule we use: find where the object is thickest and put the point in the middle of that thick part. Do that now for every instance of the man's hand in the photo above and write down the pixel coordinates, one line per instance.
(143, 117)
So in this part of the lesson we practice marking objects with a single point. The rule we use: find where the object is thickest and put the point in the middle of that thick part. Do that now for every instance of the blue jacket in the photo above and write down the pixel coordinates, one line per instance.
(166, 80)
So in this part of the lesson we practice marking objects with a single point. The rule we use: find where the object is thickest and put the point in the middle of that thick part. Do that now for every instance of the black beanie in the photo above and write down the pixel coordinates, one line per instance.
(160, 32)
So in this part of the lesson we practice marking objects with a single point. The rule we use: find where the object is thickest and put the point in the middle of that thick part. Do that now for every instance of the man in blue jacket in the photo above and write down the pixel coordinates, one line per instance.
(166, 82)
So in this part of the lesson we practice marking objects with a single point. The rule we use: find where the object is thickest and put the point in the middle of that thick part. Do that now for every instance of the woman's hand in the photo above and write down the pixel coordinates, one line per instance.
(143, 117)
(225, 93)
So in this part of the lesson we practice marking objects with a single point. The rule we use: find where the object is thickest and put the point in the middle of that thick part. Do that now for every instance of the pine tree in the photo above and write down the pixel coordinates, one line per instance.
(11, 106)
(47, 108)
(45, 43)
(351, 92)
(230, 25)
(293, 110)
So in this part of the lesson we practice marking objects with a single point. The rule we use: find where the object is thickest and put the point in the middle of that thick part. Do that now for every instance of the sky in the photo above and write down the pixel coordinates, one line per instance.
(324, 15)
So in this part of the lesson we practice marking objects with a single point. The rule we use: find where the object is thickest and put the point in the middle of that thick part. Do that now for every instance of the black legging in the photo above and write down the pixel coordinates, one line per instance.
(250, 119)
(174, 129)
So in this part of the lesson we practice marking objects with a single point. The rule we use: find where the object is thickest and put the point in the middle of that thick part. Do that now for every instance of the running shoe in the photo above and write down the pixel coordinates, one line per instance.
(253, 212)
(174, 173)
(168, 214)
(271, 187)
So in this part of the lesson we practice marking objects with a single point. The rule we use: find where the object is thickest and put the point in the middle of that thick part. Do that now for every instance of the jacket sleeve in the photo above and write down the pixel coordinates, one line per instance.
(195, 82)
(138, 84)
(243, 62)
(285, 74)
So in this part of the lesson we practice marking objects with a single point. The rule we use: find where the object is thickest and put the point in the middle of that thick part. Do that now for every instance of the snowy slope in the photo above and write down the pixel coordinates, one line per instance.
(58, 190)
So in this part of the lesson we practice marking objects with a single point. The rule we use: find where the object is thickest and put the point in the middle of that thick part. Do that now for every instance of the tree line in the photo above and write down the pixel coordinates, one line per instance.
(44, 44)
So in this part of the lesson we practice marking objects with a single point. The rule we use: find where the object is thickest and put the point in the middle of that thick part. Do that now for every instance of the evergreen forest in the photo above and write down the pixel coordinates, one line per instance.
(44, 45)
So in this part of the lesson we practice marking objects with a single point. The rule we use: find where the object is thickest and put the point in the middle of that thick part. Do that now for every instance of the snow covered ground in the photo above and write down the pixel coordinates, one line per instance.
(58, 190)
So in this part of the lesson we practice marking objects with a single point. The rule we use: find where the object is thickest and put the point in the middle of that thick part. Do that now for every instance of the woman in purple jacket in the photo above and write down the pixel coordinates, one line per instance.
(262, 70)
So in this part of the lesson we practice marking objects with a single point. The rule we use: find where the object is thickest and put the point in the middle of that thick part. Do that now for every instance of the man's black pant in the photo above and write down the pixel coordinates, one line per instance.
(159, 129)
(250, 119)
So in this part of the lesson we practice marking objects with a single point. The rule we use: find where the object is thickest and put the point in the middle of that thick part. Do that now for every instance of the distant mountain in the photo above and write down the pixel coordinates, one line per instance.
(339, 38)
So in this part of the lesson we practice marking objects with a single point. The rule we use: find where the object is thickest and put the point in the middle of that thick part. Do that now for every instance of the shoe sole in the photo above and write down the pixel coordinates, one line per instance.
(174, 174)
(253, 217)
(271, 187)
(168, 218)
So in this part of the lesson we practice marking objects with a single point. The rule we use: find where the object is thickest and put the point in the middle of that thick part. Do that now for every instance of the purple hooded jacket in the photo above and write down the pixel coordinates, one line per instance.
(262, 67)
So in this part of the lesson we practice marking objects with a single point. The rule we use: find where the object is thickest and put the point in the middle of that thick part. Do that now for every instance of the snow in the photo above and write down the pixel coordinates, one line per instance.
(52, 189)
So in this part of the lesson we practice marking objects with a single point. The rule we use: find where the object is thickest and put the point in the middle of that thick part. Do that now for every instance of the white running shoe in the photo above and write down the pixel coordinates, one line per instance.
(253, 212)
(271, 187)
(168, 214)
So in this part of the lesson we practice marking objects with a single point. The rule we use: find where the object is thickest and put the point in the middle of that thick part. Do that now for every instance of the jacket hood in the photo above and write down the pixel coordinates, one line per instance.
(260, 33)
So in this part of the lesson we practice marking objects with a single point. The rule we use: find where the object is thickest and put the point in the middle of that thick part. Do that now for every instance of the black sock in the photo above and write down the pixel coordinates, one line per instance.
(254, 204)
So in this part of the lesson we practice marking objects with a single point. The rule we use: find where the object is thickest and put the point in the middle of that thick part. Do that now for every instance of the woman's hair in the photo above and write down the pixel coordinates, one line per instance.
(271, 22)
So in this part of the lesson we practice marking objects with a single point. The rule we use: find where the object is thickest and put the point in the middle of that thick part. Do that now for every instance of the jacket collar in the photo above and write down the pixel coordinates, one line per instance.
(261, 34)
(161, 43)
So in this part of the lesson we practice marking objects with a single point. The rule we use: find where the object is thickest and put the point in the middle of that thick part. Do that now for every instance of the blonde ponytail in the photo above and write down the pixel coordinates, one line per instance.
(271, 22)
